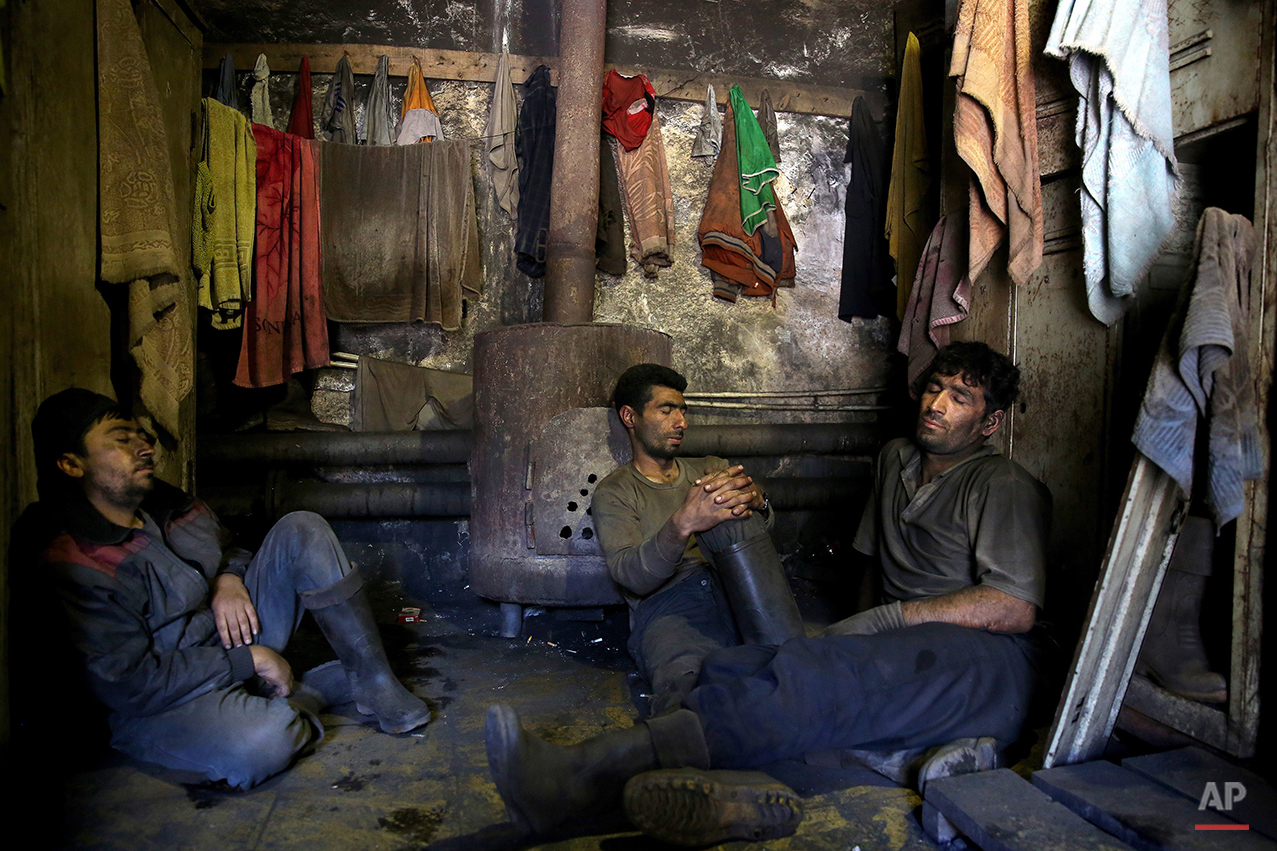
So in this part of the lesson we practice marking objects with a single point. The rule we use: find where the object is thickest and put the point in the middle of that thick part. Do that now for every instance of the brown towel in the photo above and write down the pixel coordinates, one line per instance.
(393, 396)
(995, 129)
(910, 177)
(401, 243)
(137, 218)
(645, 182)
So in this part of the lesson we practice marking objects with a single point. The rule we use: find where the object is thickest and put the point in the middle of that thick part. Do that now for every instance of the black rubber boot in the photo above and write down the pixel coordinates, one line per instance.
(1172, 654)
(341, 609)
(544, 785)
(685, 806)
(758, 591)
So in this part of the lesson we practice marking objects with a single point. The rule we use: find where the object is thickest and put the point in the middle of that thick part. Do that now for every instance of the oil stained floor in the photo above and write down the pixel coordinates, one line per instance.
(430, 789)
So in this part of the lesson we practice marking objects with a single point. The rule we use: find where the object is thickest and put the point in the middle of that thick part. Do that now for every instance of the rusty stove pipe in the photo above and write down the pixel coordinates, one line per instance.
(574, 208)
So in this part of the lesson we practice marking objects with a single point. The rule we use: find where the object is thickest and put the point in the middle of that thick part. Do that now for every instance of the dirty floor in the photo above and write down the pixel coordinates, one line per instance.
(430, 789)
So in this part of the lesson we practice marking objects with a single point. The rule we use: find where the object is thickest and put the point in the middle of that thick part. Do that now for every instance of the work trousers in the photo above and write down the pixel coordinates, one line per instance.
(675, 629)
(233, 734)
(915, 687)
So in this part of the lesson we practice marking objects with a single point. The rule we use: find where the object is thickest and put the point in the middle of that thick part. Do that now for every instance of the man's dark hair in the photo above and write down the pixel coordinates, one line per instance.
(979, 366)
(634, 387)
(60, 424)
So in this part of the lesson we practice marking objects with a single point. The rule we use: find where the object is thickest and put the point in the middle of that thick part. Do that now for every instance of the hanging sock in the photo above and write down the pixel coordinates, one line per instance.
(767, 121)
(260, 98)
(302, 122)
(226, 92)
(377, 121)
(910, 176)
(498, 136)
(419, 120)
(709, 134)
(339, 105)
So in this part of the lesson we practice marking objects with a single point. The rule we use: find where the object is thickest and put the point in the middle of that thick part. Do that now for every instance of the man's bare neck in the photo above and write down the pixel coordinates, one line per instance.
(934, 465)
(119, 515)
(659, 470)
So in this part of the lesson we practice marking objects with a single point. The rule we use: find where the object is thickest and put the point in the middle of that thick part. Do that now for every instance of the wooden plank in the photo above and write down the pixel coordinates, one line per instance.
(1001, 811)
(1208, 724)
(1134, 562)
(1144, 814)
(675, 84)
(1188, 770)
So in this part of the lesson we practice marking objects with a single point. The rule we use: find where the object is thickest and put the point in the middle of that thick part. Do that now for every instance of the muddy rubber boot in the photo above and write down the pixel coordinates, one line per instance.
(544, 785)
(757, 589)
(341, 609)
(963, 756)
(686, 806)
(1172, 654)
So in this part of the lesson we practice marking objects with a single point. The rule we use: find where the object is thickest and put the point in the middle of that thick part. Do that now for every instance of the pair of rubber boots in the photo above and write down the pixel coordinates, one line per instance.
(656, 769)
(1172, 654)
(754, 581)
(343, 615)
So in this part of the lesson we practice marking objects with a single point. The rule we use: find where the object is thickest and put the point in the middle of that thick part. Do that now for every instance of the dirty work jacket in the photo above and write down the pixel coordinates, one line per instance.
(137, 600)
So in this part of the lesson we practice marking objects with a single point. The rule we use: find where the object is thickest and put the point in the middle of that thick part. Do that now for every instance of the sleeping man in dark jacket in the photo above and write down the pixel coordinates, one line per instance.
(180, 634)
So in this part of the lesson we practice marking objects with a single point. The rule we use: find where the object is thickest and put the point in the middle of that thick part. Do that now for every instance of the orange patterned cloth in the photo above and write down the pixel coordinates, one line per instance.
(996, 132)
(645, 183)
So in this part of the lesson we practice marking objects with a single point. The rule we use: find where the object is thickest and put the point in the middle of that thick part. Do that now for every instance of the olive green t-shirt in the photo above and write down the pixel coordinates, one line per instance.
(984, 521)
(629, 509)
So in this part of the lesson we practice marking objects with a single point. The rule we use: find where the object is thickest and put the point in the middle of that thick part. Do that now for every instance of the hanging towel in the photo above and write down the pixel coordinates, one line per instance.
(995, 130)
(629, 103)
(137, 218)
(738, 261)
(609, 237)
(534, 142)
(910, 177)
(260, 97)
(284, 325)
(302, 122)
(940, 296)
(866, 271)
(339, 105)
(754, 159)
(710, 132)
(377, 120)
(645, 183)
(767, 121)
(1203, 369)
(1119, 62)
(418, 120)
(231, 160)
(498, 137)
(393, 396)
(227, 91)
(401, 243)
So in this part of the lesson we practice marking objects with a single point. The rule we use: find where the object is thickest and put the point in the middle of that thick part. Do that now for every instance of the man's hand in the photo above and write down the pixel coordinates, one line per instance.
(233, 608)
(274, 669)
(717, 496)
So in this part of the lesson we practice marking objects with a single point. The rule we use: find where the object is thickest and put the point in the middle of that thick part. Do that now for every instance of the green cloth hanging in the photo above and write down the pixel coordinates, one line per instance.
(757, 168)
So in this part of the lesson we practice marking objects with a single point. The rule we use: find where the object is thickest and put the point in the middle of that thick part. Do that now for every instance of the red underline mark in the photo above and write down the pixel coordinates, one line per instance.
(1221, 827)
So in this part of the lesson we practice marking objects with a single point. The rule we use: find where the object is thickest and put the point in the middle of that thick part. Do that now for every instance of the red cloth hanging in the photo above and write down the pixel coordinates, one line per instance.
(628, 105)
(285, 326)
(302, 122)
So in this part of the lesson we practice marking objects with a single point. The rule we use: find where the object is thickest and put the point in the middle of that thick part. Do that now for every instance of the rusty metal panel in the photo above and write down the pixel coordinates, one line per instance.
(575, 451)
(1215, 46)
(525, 375)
